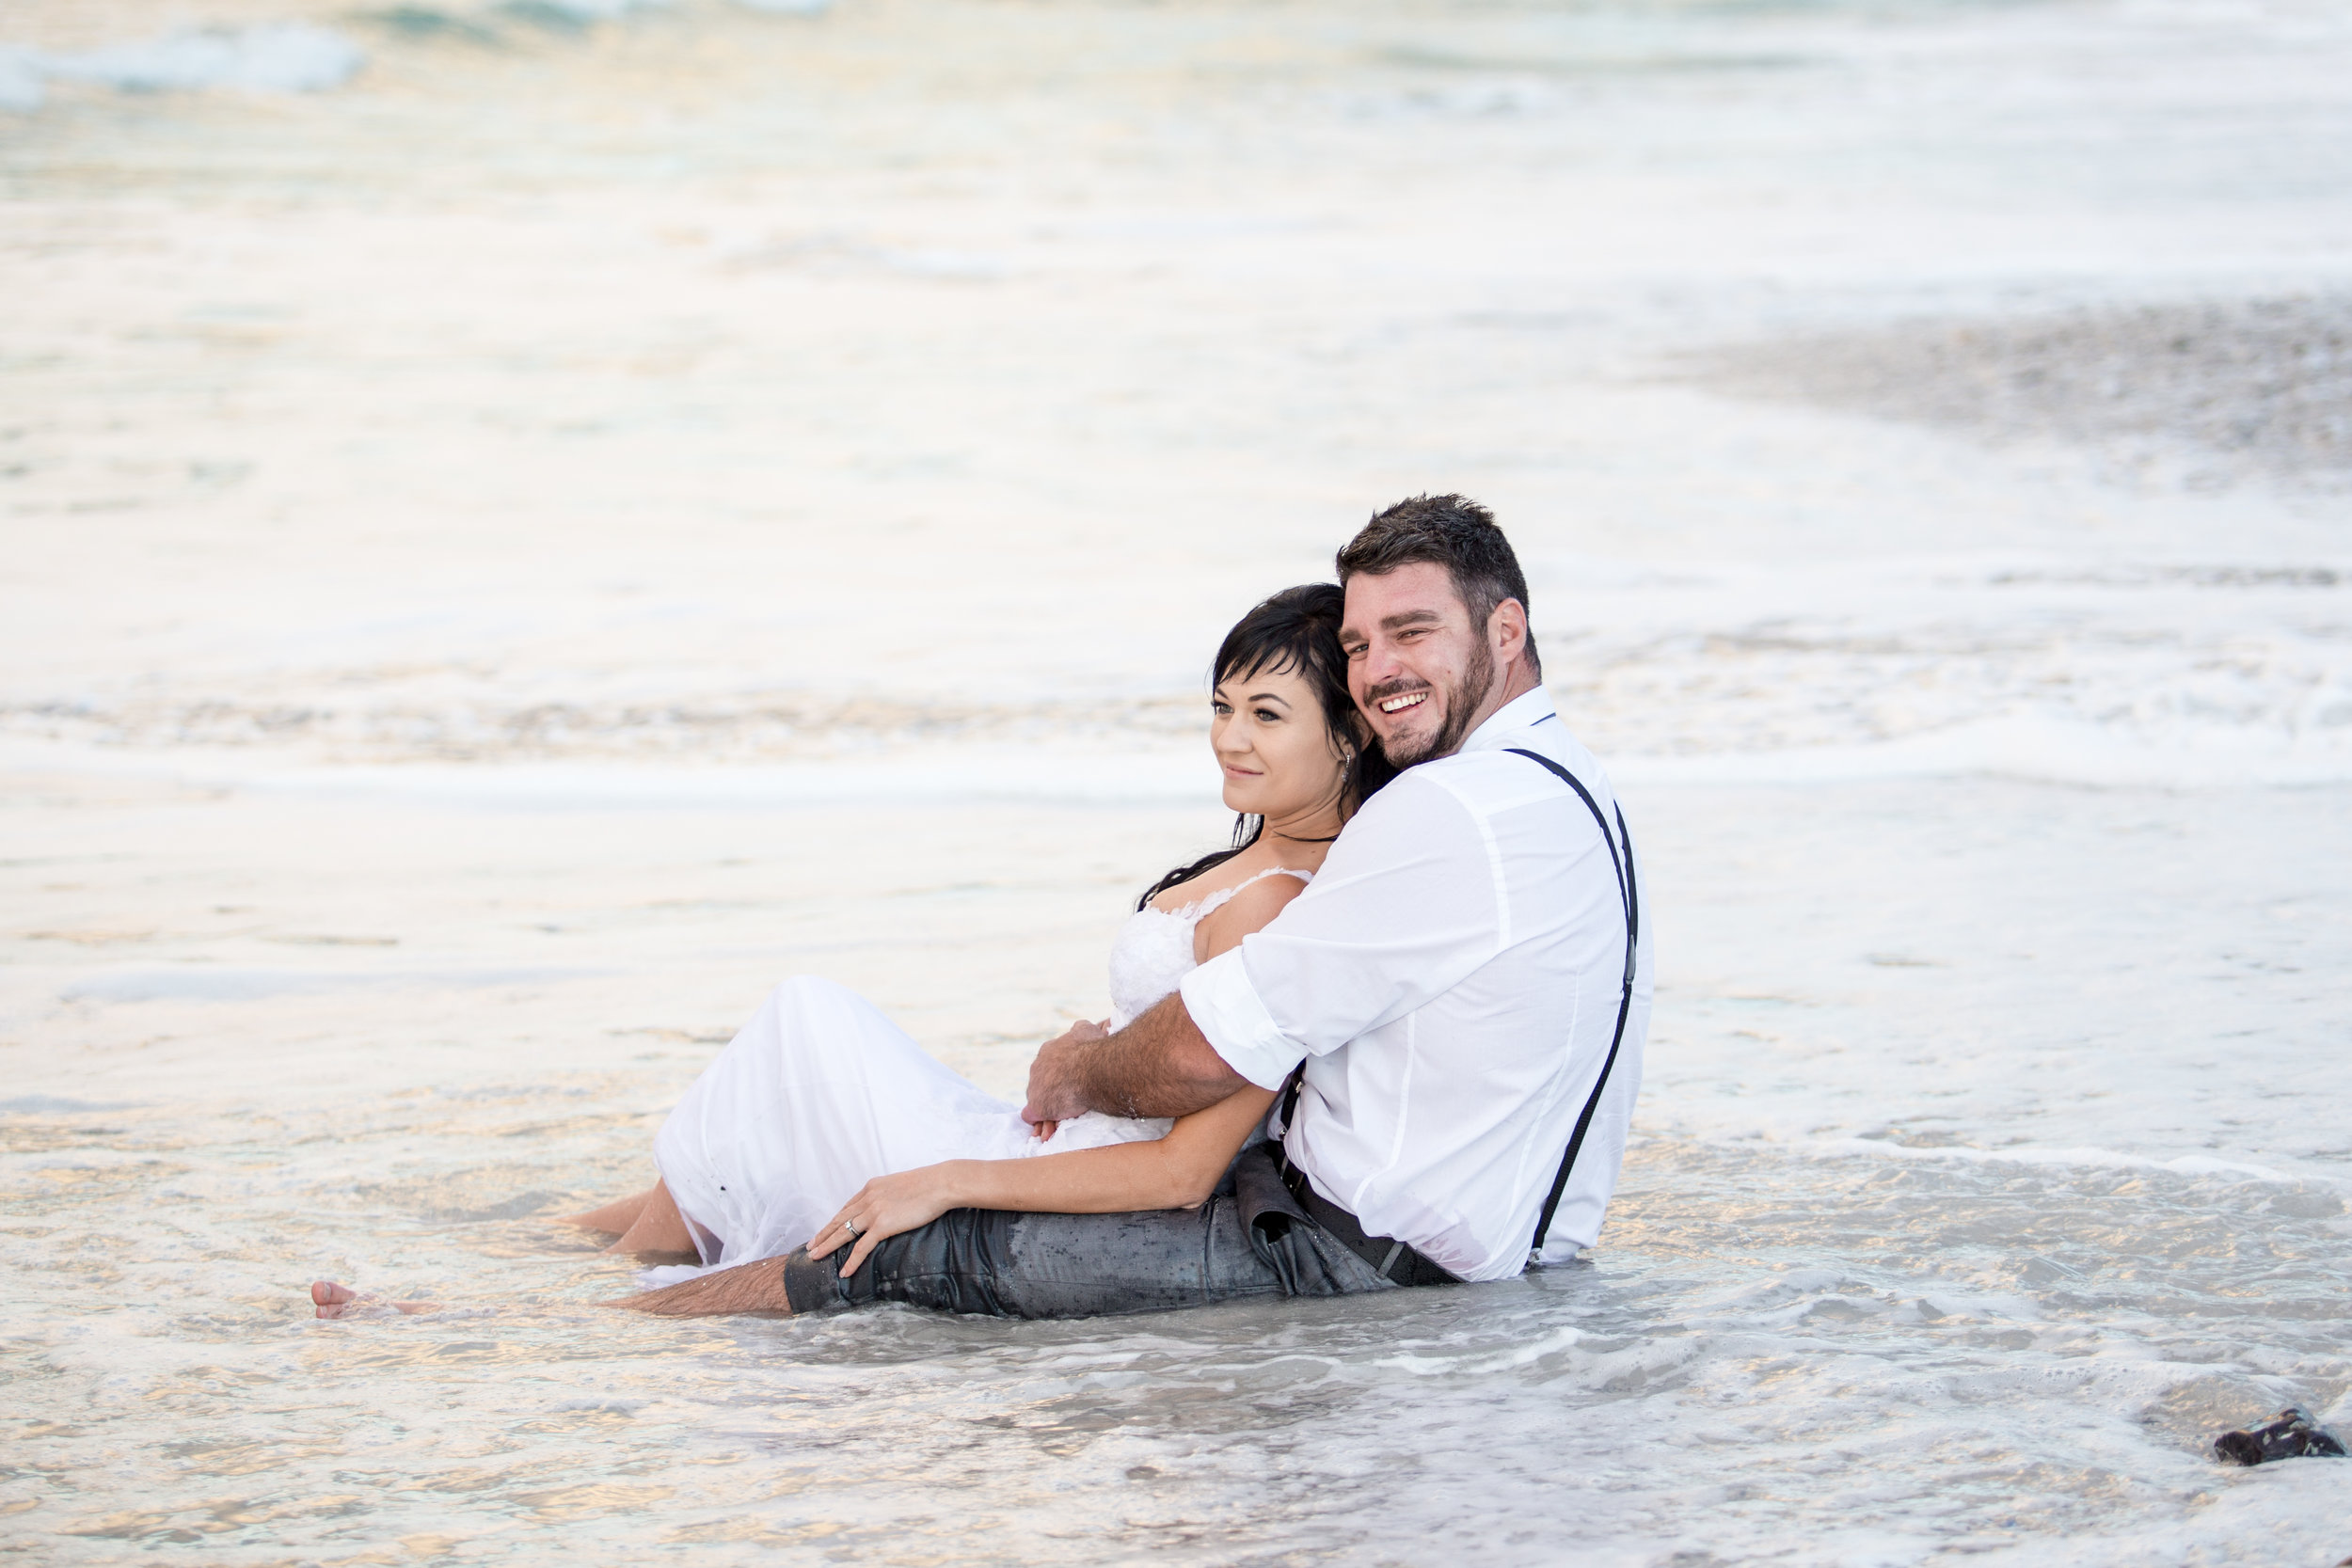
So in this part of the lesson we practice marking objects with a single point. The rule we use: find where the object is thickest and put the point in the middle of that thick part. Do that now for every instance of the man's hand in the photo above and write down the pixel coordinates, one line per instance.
(1054, 1085)
(1159, 1066)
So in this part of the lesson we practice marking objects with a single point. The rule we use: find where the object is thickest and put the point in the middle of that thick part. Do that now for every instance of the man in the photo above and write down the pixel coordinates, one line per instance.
(1454, 1009)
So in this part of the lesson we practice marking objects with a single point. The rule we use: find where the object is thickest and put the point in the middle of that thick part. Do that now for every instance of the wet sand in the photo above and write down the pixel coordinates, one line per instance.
(2214, 390)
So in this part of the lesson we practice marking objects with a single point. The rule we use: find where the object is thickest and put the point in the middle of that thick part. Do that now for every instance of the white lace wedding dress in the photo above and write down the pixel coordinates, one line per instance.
(819, 1092)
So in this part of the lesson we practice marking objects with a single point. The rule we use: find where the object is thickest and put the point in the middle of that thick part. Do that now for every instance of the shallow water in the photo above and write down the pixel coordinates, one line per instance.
(513, 553)
(1866, 1359)
(1872, 1291)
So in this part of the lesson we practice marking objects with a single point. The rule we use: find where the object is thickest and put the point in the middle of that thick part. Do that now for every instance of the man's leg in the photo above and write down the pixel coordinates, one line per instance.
(1251, 1239)
(754, 1287)
(1019, 1265)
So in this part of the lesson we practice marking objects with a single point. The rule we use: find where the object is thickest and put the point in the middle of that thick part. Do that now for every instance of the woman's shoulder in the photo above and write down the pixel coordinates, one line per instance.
(1267, 892)
(1249, 906)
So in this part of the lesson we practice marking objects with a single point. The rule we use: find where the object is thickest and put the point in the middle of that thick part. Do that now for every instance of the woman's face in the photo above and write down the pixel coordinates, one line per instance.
(1269, 735)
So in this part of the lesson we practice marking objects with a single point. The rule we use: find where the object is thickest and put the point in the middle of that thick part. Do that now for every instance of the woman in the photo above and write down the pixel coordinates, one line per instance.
(823, 1123)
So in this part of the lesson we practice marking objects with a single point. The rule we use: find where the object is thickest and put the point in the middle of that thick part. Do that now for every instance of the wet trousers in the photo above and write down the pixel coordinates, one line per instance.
(1251, 1239)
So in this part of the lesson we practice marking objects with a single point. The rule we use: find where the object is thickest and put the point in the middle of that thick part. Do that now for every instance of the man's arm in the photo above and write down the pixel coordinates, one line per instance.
(1161, 1064)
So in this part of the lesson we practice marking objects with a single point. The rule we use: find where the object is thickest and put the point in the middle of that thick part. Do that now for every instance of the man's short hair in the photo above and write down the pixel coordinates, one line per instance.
(1452, 531)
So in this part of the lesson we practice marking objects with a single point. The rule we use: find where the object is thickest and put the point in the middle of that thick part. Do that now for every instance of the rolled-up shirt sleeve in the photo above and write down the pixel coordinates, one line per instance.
(1225, 1007)
(1409, 901)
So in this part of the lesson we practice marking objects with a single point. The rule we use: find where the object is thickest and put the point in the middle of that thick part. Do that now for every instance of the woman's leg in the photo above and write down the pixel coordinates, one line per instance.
(657, 1226)
(616, 1218)
(817, 1093)
(648, 1222)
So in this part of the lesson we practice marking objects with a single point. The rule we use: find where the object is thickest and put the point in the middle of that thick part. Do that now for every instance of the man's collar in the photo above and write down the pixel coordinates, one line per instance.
(1527, 708)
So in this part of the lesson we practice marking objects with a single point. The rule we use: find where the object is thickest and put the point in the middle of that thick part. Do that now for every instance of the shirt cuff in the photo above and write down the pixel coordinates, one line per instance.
(1225, 1007)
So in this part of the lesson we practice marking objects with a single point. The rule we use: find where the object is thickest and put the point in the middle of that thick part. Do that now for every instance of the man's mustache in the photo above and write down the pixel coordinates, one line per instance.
(1375, 695)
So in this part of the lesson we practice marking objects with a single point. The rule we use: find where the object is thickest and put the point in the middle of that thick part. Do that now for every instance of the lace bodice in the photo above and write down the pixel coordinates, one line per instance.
(1153, 950)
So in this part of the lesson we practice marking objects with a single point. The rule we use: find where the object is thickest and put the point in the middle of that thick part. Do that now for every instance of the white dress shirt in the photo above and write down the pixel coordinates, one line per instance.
(1450, 978)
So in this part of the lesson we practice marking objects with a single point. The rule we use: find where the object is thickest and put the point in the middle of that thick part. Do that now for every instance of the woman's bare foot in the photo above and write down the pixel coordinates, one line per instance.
(341, 1301)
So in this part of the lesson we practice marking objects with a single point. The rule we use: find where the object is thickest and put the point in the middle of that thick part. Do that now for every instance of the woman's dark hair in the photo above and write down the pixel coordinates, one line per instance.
(1295, 629)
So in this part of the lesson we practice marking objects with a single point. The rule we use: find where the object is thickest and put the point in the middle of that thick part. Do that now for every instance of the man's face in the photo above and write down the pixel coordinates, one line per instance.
(1416, 665)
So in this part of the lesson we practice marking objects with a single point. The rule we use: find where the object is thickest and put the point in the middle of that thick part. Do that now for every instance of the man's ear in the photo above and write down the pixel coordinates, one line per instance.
(1507, 628)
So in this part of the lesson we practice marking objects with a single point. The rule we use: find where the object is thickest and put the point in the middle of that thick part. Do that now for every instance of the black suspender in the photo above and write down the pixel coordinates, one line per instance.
(1631, 897)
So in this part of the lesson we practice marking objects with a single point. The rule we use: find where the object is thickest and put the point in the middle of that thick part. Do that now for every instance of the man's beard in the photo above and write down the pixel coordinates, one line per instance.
(1463, 699)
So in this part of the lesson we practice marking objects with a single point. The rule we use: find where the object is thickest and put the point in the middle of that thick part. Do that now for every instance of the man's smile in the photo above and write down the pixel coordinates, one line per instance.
(1401, 700)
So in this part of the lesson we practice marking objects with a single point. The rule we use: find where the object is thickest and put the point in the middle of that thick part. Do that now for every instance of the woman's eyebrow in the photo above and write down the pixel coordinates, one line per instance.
(1269, 697)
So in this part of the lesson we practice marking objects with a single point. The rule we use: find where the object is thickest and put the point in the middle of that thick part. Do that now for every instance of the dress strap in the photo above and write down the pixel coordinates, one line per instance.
(1218, 900)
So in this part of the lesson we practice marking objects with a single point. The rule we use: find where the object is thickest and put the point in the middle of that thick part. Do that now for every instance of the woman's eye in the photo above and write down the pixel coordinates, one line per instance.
(1267, 716)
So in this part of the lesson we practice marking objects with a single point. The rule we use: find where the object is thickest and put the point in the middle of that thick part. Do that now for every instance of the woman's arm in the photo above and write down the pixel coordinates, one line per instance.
(1179, 1171)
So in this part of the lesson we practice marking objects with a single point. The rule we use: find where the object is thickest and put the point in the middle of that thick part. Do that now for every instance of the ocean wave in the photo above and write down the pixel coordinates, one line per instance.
(574, 13)
(247, 983)
(300, 56)
(2086, 1157)
(1112, 776)
(2042, 749)
(2119, 704)
(276, 58)
(488, 22)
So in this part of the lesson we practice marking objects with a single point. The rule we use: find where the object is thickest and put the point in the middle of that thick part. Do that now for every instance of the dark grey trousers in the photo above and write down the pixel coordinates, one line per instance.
(1249, 1239)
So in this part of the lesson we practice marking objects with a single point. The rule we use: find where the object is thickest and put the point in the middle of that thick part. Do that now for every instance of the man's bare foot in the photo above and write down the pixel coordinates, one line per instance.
(341, 1301)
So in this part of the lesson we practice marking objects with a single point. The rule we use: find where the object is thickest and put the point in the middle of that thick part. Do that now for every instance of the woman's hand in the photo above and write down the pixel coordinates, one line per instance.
(884, 1206)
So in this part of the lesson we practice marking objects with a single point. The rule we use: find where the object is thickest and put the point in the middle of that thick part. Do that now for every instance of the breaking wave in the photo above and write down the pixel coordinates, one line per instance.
(300, 56)
(290, 56)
